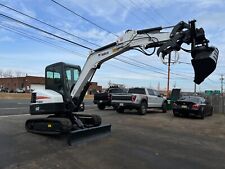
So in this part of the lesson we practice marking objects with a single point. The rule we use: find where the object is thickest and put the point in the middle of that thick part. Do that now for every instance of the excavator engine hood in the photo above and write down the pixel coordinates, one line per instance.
(204, 62)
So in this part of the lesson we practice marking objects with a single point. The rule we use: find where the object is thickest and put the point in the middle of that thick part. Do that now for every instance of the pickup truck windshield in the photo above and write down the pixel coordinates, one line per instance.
(137, 91)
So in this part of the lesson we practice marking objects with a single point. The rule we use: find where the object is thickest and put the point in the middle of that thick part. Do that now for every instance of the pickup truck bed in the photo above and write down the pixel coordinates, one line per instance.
(140, 99)
(104, 99)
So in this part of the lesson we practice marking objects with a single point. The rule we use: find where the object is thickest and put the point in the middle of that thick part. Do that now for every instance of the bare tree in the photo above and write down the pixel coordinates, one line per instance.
(8, 73)
(1, 73)
(19, 73)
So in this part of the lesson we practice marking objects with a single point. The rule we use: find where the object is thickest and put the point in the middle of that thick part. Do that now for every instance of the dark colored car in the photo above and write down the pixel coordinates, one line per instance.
(192, 105)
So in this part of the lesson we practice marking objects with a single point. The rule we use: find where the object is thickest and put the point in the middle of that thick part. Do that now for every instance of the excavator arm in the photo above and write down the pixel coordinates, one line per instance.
(204, 57)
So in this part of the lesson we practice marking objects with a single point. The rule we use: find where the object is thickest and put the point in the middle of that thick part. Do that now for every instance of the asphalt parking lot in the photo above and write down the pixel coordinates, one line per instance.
(21, 106)
(155, 140)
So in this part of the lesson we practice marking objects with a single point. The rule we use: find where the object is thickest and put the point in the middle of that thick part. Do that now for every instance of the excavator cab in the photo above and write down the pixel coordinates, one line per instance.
(61, 77)
(59, 80)
(55, 101)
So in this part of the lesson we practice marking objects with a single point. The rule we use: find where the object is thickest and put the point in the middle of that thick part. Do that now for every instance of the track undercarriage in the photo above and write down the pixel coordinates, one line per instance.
(73, 125)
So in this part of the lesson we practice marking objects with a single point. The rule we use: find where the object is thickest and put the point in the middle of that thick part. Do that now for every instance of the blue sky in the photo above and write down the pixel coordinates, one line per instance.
(18, 53)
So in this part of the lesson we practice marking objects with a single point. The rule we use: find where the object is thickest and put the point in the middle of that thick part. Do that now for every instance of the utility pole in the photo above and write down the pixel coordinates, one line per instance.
(168, 79)
(222, 78)
(194, 88)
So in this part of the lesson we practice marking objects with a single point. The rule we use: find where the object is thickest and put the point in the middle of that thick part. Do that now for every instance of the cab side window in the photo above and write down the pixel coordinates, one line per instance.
(156, 93)
(150, 92)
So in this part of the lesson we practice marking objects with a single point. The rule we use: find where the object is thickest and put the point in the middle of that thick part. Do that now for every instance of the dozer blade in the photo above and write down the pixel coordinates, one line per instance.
(87, 132)
(204, 62)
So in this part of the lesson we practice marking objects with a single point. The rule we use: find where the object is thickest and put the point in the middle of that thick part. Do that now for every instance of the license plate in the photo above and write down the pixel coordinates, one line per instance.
(37, 108)
(100, 101)
(121, 104)
(183, 106)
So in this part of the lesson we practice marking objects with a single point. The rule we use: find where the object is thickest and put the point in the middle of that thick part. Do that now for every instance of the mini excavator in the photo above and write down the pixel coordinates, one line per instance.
(66, 84)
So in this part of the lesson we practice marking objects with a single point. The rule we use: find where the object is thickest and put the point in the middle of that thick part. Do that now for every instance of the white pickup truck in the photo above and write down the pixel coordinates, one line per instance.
(140, 99)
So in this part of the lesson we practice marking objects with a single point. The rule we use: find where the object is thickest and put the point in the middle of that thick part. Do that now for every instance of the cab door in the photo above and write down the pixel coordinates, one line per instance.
(159, 99)
(151, 98)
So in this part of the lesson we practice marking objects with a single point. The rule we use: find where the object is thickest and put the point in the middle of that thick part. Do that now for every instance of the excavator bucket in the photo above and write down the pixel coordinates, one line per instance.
(204, 62)
(88, 132)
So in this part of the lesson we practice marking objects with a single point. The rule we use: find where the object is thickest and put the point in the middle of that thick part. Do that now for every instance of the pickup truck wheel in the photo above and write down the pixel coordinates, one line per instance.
(143, 108)
(120, 110)
(164, 107)
(101, 106)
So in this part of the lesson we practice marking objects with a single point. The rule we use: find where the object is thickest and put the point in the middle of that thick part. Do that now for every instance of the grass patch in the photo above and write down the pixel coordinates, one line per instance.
(15, 95)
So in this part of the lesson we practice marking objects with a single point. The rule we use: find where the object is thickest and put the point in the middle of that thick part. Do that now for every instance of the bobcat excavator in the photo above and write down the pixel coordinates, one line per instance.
(66, 85)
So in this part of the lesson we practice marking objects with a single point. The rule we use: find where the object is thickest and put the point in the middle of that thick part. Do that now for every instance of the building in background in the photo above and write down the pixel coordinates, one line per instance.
(94, 88)
(29, 83)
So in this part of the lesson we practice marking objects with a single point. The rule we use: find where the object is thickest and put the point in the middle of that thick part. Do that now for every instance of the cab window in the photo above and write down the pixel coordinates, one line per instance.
(150, 92)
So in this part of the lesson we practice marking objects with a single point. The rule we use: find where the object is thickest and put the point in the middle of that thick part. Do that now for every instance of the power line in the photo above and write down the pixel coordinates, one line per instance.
(136, 5)
(110, 31)
(158, 13)
(143, 63)
(43, 41)
(21, 33)
(44, 31)
(59, 36)
(38, 28)
(139, 19)
(63, 30)
(124, 61)
(91, 22)
(46, 24)
(156, 67)
(122, 68)
(23, 23)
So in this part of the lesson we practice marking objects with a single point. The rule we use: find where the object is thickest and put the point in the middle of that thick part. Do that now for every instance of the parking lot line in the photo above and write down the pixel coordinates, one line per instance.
(13, 115)
(12, 108)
